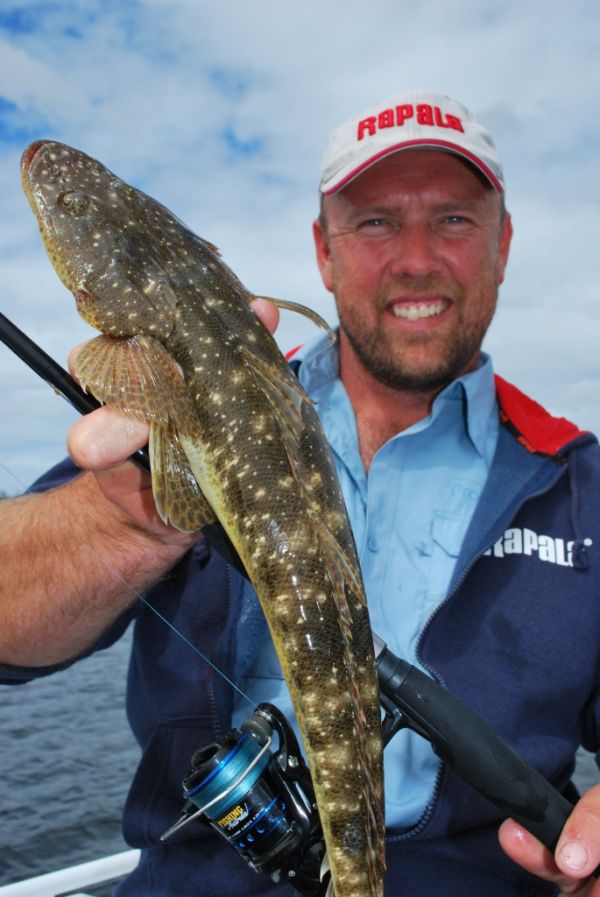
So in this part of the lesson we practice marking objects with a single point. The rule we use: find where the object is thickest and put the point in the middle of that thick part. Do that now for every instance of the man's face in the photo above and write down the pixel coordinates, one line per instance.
(414, 250)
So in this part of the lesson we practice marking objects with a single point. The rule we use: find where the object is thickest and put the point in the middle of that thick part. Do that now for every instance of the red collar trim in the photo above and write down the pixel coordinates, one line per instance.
(291, 352)
(536, 429)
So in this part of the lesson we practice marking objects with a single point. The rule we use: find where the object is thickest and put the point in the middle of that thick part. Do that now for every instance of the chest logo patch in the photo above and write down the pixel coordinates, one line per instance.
(520, 540)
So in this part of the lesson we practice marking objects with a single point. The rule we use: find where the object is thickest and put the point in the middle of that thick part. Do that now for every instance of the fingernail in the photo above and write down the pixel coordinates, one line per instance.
(573, 855)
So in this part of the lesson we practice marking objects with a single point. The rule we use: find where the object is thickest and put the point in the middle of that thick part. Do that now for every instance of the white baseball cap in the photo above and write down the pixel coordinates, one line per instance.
(409, 120)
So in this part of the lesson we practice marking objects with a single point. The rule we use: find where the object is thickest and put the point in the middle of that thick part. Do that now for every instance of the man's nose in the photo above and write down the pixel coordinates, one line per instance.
(415, 253)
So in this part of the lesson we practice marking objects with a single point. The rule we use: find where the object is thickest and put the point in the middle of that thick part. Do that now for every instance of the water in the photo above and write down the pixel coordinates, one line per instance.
(67, 758)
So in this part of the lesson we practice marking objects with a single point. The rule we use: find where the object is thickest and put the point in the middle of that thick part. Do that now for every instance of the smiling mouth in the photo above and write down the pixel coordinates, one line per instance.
(415, 311)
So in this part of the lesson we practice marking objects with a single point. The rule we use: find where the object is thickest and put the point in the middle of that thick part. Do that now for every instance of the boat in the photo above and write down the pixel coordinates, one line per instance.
(82, 880)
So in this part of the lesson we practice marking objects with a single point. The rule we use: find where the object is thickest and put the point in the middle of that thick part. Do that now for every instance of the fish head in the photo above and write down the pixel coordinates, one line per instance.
(92, 226)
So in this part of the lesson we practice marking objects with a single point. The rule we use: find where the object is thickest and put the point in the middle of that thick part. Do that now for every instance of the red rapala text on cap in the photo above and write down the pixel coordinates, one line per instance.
(423, 112)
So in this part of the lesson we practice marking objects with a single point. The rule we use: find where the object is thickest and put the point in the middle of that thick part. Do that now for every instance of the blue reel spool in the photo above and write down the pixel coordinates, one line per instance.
(233, 785)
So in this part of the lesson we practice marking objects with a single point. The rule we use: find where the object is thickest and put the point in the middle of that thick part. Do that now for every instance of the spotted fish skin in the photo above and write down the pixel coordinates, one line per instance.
(233, 438)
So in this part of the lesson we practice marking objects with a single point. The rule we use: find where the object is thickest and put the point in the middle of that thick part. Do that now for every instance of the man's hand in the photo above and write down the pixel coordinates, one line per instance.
(577, 854)
(74, 558)
(103, 440)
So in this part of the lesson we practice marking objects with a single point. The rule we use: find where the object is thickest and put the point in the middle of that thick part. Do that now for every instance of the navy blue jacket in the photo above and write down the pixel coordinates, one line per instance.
(516, 640)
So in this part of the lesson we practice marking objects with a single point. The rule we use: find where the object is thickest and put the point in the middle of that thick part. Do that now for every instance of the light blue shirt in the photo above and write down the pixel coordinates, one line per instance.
(409, 516)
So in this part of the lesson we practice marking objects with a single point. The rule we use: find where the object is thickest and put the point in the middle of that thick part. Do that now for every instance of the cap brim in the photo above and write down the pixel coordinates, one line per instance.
(343, 178)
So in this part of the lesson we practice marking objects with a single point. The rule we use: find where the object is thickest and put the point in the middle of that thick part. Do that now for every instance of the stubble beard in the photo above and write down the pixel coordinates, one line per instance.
(385, 362)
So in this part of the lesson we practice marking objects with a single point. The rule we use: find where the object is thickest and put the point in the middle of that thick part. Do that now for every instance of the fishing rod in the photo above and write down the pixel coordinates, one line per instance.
(410, 699)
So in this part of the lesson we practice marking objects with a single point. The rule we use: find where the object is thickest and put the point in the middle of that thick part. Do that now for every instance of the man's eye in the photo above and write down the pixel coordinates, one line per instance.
(374, 223)
(455, 219)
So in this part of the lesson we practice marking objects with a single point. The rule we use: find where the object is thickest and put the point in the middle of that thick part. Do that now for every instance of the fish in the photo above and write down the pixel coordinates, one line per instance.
(233, 439)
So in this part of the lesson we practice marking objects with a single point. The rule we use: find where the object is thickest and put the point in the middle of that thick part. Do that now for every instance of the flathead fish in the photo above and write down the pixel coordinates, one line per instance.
(234, 439)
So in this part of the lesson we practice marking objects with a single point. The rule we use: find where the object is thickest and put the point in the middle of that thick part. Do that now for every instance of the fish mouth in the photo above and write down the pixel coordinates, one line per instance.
(29, 153)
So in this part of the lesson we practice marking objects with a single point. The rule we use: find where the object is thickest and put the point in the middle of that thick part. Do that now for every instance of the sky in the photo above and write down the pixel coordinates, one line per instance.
(222, 110)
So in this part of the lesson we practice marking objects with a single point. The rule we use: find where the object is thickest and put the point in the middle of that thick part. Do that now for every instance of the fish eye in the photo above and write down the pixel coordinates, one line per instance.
(74, 201)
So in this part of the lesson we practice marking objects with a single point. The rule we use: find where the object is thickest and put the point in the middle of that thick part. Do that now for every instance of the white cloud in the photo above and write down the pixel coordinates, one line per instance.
(222, 110)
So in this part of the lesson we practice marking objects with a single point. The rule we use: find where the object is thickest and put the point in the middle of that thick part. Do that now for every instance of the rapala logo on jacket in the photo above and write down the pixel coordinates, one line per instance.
(551, 549)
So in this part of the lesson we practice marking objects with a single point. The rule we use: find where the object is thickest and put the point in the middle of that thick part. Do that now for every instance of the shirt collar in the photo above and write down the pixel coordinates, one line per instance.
(476, 390)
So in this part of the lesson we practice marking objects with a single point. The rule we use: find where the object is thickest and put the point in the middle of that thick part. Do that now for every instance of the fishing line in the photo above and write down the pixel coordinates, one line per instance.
(164, 619)
(63, 522)
(13, 475)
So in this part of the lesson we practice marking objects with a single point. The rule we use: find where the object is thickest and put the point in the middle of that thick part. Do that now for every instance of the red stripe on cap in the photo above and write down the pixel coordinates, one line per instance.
(435, 144)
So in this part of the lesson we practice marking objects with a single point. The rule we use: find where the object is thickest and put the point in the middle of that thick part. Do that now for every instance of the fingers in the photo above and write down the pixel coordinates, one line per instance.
(104, 438)
(578, 849)
(577, 854)
(528, 852)
(267, 312)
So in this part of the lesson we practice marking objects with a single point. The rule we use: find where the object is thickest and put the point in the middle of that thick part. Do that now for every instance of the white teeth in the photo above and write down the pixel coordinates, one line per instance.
(418, 310)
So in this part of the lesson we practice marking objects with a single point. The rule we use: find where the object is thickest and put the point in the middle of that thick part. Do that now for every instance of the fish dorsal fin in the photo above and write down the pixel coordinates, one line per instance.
(285, 398)
(286, 305)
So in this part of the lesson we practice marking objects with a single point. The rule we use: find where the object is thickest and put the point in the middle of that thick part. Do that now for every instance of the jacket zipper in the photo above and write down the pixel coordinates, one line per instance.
(421, 824)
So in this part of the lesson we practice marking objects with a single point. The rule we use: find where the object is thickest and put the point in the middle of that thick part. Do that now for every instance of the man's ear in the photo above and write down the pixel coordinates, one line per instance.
(323, 254)
(504, 247)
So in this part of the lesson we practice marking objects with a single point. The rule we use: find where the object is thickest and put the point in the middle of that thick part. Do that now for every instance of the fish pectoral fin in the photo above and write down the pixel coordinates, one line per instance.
(136, 376)
(286, 305)
(177, 495)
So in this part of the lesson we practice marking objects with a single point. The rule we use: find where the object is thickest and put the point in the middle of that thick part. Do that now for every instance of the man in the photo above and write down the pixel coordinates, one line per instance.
(472, 511)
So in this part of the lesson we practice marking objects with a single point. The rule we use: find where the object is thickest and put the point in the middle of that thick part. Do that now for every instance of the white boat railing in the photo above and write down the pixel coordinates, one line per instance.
(74, 877)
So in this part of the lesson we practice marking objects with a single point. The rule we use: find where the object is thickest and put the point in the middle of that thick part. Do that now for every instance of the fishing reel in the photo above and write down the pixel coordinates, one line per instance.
(259, 800)
(263, 803)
